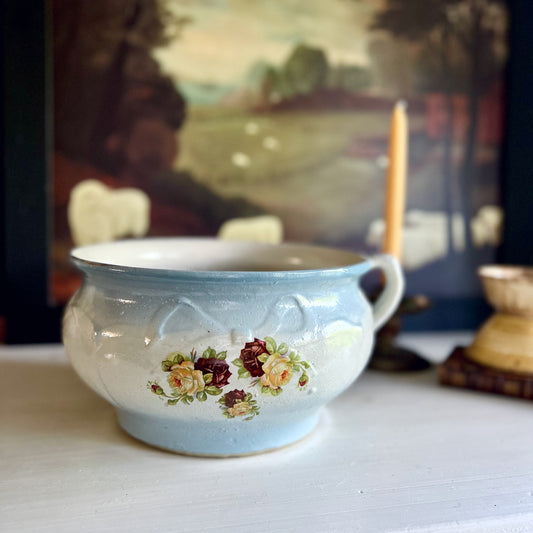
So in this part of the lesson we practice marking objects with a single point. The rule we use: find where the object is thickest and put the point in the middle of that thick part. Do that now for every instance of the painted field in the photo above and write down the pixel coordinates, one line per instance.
(322, 172)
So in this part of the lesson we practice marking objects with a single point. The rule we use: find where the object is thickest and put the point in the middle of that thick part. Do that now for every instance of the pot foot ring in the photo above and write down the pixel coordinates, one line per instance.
(225, 438)
(460, 371)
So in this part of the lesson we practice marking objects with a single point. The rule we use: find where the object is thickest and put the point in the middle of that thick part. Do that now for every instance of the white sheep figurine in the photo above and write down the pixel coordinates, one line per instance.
(97, 213)
(264, 228)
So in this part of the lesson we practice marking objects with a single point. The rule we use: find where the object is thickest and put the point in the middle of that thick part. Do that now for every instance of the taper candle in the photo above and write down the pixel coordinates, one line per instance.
(396, 181)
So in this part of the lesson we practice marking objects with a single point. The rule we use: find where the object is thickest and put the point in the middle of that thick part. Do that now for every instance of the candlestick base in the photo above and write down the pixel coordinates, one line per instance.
(387, 355)
(392, 358)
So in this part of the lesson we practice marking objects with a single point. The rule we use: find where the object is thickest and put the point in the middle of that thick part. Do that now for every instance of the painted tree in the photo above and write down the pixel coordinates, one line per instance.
(305, 71)
(99, 47)
(463, 38)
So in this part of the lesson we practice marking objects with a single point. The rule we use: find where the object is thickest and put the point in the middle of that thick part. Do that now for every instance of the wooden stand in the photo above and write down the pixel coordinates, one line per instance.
(460, 371)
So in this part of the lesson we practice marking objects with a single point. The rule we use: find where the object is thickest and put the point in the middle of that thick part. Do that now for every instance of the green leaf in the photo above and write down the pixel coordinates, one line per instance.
(222, 355)
(248, 397)
(176, 357)
(214, 391)
(305, 364)
(263, 357)
(270, 345)
(187, 399)
(283, 348)
(273, 392)
(208, 378)
(173, 402)
(237, 362)
(243, 373)
(165, 365)
(209, 353)
(201, 396)
(222, 401)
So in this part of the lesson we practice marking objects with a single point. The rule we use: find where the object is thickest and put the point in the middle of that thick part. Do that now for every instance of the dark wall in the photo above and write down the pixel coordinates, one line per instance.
(518, 149)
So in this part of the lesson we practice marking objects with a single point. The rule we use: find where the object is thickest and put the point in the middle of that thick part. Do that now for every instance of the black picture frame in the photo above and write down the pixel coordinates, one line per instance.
(27, 135)
(517, 171)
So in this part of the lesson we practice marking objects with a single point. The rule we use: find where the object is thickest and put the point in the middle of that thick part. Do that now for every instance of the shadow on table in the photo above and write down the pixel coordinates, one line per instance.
(48, 399)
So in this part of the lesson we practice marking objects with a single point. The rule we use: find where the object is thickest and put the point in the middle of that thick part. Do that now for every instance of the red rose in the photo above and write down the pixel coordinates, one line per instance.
(156, 389)
(303, 380)
(217, 367)
(250, 354)
(231, 398)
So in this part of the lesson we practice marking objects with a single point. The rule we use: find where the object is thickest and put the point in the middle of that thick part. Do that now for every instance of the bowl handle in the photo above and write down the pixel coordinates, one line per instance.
(392, 293)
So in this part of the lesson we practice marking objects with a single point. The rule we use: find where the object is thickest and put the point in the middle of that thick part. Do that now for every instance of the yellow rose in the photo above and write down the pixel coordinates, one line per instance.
(185, 380)
(239, 409)
(277, 371)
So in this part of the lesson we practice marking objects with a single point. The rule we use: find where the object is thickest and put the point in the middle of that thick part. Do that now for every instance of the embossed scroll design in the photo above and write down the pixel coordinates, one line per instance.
(293, 309)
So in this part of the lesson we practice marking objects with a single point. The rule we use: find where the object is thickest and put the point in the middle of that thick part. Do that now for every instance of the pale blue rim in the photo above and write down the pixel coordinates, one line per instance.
(359, 268)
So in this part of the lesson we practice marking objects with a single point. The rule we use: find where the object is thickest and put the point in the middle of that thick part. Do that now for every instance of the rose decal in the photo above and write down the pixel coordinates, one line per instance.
(250, 357)
(277, 370)
(269, 367)
(231, 398)
(191, 378)
(219, 370)
(238, 403)
(185, 380)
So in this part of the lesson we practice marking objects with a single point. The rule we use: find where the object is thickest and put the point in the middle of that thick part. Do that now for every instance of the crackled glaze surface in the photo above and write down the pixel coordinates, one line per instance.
(219, 362)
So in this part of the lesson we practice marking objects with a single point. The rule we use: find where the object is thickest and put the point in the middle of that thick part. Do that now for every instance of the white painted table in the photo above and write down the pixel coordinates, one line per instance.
(396, 452)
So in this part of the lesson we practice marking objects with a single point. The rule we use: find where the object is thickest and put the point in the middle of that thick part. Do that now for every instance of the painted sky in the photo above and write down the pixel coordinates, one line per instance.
(227, 36)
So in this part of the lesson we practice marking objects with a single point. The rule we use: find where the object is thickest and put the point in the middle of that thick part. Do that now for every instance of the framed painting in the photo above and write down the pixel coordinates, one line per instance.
(220, 110)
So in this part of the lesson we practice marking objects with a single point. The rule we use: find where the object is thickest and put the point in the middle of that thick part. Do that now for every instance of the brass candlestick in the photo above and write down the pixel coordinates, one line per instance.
(387, 355)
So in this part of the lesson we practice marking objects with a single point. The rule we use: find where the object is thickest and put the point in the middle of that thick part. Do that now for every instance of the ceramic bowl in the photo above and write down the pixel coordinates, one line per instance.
(509, 289)
(212, 347)
(505, 341)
